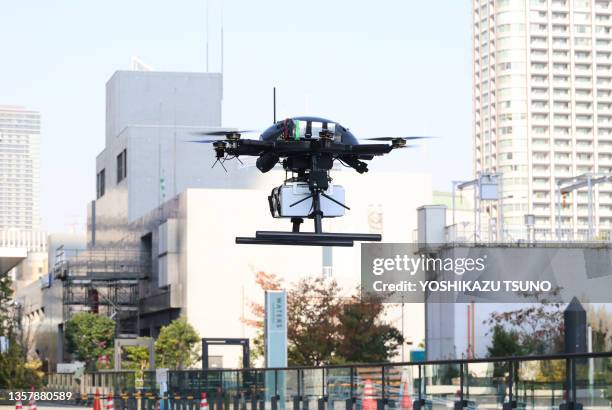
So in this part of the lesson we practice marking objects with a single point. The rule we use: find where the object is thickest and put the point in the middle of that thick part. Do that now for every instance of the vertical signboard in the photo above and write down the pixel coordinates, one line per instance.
(275, 330)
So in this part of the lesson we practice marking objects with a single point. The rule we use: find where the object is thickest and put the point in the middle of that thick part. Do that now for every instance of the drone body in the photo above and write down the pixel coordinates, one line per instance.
(306, 147)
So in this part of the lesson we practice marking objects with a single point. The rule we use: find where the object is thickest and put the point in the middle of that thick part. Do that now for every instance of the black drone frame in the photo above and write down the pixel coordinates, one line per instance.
(312, 159)
(319, 152)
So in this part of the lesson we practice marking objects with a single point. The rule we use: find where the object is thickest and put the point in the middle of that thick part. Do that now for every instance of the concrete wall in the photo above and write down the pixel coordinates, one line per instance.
(41, 316)
(156, 98)
(152, 115)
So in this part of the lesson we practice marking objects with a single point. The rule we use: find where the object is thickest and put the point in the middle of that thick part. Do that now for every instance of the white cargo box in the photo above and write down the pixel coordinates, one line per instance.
(292, 193)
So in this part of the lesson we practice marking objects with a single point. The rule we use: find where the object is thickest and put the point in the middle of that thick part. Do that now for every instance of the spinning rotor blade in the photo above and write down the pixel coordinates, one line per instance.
(224, 133)
(205, 141)
(396, 138)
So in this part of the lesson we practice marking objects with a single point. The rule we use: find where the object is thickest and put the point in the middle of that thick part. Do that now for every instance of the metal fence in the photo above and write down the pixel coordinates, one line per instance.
(536, 382)
(530, 383)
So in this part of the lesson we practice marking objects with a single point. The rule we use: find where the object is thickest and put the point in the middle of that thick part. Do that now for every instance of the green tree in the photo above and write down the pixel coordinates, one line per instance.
(363, 337)
(176, 346)
(504, 343)
(136, 358)
(90, 336)
(6, 316)
(17, 373)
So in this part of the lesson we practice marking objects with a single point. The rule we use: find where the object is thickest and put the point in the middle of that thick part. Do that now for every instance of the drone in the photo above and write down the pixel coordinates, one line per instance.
(307, 148)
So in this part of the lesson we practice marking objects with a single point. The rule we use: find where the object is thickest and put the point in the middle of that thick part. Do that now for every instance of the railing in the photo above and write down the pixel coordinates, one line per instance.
(33, 241)
(530, 383)
(535, 382)
(465, 233)
(102, 263)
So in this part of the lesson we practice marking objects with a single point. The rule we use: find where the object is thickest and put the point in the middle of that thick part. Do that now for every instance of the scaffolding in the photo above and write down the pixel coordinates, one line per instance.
(567, 186)
(105, 282)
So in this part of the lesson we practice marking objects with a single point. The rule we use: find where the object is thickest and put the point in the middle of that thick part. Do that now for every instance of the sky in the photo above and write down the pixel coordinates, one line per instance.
(384, 68)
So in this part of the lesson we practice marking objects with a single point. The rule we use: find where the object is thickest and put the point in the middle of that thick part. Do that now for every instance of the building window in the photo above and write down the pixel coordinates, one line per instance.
(121, 166)
(100, 184)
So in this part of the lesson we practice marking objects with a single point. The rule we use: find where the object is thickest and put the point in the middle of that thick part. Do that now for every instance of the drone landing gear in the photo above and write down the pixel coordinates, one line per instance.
(316, 238)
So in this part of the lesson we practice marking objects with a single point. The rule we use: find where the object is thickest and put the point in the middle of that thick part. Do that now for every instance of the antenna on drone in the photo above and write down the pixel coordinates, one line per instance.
(207, 35)
(221, 38)
(274, 103)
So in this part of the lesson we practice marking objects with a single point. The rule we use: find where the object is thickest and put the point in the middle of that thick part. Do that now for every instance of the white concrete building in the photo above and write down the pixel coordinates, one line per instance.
(200, 272)
(147, 160)
(19, 168)
(543, 105)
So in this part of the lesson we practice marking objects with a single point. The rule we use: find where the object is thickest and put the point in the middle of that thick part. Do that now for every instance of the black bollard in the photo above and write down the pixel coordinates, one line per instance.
(321, 403)
(574, 318)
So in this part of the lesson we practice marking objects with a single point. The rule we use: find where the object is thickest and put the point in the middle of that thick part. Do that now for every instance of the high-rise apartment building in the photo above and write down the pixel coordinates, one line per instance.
(543, 106)
(19, 168)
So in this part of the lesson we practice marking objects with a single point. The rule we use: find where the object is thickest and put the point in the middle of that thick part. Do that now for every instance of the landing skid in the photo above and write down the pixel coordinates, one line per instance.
(316, 238)
(307, 238)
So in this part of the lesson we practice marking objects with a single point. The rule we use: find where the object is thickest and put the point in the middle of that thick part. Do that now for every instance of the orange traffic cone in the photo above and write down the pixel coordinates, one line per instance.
(110, 403)
(32, 404)
(406, 399)
(96, 403)
(369, 401)
(203, 402)
(18, 405)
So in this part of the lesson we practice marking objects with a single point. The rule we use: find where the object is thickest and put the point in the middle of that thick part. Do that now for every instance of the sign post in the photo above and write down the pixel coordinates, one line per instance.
(275, 330)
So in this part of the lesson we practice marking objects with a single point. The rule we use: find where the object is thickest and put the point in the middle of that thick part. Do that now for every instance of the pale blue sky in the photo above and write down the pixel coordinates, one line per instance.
(379, 67)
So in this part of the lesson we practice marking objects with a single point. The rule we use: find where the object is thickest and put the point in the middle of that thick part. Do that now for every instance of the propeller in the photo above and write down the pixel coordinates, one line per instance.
(397, 138)
(206, 141)
(229, 135)
(399, 142)
(220, 133)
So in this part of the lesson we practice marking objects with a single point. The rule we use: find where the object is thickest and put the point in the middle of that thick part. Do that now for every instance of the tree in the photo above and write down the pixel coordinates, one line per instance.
(504, 343)
(325, 327)
(266, 282)
(363, 337)
(137, 358)
(539, 328)
(601, 322)
(17, 373)
(312, 312)
(176, 346)
(90, 336)
(6, 316)
(535, 329)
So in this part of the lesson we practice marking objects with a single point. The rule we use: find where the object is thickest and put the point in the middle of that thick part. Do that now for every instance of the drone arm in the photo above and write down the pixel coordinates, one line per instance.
(370, 149)
(250, 147)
